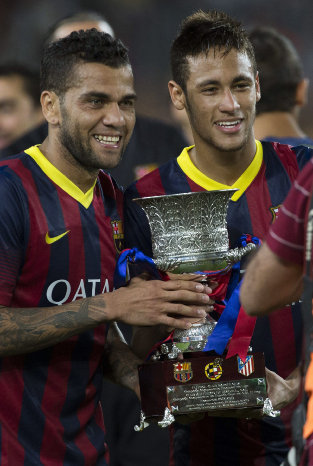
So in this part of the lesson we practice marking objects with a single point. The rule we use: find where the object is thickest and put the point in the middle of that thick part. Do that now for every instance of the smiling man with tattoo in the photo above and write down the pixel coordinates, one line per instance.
(60, 233)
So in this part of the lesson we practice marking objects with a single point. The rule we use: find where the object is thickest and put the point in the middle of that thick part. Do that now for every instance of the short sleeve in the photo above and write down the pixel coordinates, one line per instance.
(287, 236)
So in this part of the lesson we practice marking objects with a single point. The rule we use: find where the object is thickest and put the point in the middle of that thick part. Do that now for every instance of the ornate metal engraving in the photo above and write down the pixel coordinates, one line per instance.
(189, 231)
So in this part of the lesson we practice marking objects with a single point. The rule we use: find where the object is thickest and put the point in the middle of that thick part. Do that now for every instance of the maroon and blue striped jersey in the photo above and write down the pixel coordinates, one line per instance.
(57, 244)
(261, 190)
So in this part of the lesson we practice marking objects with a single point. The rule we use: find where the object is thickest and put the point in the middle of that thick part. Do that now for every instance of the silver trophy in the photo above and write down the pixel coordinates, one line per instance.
(189, 234)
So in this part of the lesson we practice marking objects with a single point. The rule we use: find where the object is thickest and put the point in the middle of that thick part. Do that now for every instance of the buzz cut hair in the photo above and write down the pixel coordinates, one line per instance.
(61, 57)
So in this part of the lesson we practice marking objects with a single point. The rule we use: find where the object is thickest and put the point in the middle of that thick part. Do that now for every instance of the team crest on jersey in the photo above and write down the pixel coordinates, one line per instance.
(118, 234)
(183, 371)
(274, 211)
(246, 367)
(214, 370)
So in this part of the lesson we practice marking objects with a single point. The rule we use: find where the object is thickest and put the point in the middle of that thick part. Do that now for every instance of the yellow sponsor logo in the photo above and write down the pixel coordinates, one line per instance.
(50, 240)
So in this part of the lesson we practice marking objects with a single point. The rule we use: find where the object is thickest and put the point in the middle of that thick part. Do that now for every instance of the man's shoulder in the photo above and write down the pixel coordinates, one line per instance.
(292, 158)
(287, 150)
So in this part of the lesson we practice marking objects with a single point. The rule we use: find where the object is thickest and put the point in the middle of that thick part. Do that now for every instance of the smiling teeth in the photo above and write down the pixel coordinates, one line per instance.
(110, 139)
(228, 123)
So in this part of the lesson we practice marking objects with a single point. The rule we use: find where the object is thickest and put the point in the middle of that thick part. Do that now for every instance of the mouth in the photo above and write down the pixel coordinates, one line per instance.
(108, 141)
(229, 126)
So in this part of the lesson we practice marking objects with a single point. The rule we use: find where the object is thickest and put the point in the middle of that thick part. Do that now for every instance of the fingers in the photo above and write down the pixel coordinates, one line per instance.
(186, 316)
(196, 277)
(181, 285)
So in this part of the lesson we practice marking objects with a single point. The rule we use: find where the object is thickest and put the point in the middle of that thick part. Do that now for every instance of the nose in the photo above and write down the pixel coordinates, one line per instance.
(113, 115)
(228, 102)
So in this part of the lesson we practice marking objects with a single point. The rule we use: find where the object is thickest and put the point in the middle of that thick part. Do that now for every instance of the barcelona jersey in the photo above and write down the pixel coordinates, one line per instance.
(261, 189)
(57, 244)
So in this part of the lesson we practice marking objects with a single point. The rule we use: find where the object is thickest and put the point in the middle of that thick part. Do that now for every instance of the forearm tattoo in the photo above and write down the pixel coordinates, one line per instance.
(30, 329)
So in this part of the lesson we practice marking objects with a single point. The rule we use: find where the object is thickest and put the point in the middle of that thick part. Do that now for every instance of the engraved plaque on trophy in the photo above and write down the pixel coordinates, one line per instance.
(189, 234)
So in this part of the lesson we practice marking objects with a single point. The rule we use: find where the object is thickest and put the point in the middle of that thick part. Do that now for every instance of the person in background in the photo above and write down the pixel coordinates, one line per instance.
(215, 80)
(61, 230)
(284, 88)
(20, 109)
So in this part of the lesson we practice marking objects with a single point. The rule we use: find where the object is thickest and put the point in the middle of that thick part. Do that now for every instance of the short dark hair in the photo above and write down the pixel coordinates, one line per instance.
(280, 69)
(92, 46)
(202, 31)
(28, 76)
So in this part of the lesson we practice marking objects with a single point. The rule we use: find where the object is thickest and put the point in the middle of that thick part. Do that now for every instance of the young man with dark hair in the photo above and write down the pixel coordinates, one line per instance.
(216, 82)
(284, 88)
(61, 230)
(20, 109)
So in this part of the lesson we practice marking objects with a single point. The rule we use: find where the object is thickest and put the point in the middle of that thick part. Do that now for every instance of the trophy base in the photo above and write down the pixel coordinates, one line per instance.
(202, 383)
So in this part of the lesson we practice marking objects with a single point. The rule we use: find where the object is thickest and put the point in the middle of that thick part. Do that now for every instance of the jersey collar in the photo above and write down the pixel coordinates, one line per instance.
(208, 184)
(60, 179)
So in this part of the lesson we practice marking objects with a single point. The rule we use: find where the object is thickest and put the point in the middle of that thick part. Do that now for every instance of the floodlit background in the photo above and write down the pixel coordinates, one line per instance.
(147, 27)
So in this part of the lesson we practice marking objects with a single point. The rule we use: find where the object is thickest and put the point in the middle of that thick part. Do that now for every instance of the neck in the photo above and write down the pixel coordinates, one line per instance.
(223, 166)
(64, 162)
(277, 124)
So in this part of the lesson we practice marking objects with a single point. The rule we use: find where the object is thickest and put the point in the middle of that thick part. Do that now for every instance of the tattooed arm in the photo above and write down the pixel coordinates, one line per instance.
(120, 363)
(23, 330)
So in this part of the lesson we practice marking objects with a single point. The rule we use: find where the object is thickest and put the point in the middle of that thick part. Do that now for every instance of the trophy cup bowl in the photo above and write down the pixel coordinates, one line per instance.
(189, 234)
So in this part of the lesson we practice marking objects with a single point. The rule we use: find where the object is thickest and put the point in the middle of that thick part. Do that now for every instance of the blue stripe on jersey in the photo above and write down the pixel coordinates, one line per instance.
(59, 256)
(77, 383)
(280, 183)
(32, 421)
(91, 238)
(17, 182)
(238, 216)
(173, 171)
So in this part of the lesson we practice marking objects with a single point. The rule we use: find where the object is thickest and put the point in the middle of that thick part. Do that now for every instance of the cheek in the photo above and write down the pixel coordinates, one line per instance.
(130, 121)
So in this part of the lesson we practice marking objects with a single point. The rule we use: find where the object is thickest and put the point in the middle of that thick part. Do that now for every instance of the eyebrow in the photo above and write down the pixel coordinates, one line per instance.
(210, 82)
(102, 95)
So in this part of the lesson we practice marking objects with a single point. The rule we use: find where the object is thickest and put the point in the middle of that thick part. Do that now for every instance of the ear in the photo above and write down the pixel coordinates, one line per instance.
(257, 87)
(177, 95)
(50, 105)
(302, 92)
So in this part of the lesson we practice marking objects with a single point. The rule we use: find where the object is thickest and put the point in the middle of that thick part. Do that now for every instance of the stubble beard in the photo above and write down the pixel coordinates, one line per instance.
(82, 153)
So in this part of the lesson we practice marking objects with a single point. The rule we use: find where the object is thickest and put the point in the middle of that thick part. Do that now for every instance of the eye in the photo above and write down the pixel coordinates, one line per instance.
(242, 85)
(128, 103)
(96, 101)
(209, 90)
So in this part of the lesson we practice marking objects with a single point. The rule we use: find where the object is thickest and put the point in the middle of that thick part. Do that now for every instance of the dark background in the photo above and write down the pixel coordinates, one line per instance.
(148, 27)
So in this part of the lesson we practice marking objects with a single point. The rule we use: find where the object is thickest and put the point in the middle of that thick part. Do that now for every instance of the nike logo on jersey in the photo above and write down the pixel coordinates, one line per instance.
(50, 240)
